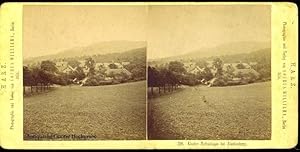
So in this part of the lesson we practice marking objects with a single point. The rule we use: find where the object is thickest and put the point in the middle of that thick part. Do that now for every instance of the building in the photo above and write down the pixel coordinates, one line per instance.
(118, 73)
(119, 65)
(253, 63)
(191, 67)
(81, 63)
(196, 70)
(246, 72)
(85, 70)
(61, 66)
(236, 66)
(125, 63)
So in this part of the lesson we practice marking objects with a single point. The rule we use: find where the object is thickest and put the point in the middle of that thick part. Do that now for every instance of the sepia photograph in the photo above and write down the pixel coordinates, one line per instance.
(149, 75)
(84, 72)
(209, 72)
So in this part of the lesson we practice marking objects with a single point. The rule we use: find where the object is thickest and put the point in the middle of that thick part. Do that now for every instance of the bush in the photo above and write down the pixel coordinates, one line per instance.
(108, 82)
(220, 81)
(189, 80)
(91, 82)
(116, 82)
(243, 82)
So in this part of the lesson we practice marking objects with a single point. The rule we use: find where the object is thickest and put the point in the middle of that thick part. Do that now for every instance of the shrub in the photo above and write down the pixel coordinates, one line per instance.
(190, 80)
(91, 82)
(108, 82)
(221, 81)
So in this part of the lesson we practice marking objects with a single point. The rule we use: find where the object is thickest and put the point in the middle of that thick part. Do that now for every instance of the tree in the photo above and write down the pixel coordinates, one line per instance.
(36, 77)
(137, 68)
(162, 78)
(218, 64)
(177, 67)
(27, 78)
(230, 71)
(79, 73)
(169, 79)
(90, 63)
(152, 78)
(101, 69)
(48, 66)
(138, 73)
(46, 74)
(207, 74)
(173, 80)
(45, 78)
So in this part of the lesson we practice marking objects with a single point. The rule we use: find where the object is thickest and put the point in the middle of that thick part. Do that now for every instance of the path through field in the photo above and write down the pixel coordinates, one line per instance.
(236, 112)
(104, 112)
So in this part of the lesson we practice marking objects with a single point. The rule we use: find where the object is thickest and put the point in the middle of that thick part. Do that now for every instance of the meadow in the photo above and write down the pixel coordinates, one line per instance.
(212, 113)
(93, 113)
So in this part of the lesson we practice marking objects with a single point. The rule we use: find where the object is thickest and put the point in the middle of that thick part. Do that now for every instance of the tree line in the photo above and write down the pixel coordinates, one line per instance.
(39, 77)
(170, 75)
(165, 78)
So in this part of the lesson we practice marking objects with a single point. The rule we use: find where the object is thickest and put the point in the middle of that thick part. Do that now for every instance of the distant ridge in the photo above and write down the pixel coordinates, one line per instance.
(100, 48)
(224, 49)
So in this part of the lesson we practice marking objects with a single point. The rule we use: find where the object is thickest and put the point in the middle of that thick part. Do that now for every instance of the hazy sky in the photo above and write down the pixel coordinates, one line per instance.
(168, 30)
(50, 29)
(179, 29)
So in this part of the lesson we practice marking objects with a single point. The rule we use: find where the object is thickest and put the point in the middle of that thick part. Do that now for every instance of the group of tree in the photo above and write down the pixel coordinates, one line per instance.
(43, 74)
(40, 77)
(165, 78)
(261, 57)
(174, 72)
(138, 68)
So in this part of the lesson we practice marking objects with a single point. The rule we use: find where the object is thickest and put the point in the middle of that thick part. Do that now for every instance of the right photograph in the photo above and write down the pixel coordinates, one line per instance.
(209, 72)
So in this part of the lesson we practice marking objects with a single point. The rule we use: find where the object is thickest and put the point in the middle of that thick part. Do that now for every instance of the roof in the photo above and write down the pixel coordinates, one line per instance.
(119, 65)
(82, 63)
(190, 66)
(73, 69)
(67, 68)
(125, 63)
(59, 64)
(196, 70)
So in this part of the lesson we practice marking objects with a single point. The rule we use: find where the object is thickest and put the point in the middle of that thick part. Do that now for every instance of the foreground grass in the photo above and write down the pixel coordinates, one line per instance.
(232, 113)
(103, 112)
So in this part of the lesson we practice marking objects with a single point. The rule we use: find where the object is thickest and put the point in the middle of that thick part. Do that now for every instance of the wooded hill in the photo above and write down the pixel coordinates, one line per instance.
(101, 52)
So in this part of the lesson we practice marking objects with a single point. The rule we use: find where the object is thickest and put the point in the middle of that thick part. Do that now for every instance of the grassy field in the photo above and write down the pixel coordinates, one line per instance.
(232, 113)
(102, 112)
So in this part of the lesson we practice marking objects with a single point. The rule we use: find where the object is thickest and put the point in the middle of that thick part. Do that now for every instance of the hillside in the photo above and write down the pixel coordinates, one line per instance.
(107, 49)
(131, 55)
(261, 56)
(220, 50)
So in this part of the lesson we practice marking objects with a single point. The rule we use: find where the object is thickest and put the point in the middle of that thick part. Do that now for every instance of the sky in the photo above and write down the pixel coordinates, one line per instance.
(51, 29)
(175, 30)
(168, 30)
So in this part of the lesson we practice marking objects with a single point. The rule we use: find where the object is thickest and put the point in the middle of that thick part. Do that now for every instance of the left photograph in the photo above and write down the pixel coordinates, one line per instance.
(84, 72)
